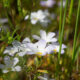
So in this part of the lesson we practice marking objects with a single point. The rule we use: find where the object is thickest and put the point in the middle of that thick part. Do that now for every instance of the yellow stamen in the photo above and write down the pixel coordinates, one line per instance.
(35, 18)
(55, 50)
(39, 53)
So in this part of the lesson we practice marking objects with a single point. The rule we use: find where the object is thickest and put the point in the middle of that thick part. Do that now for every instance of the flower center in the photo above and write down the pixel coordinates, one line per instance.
(35, 18)
(39, 53)
(12, 51)
(55, 50)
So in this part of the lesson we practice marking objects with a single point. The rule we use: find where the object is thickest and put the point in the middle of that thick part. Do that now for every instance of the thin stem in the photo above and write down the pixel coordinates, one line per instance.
(75, 35)
(62, 31)
(60, 22)
(70, 10)
(19, 6)
(77, 66)
(7, 8)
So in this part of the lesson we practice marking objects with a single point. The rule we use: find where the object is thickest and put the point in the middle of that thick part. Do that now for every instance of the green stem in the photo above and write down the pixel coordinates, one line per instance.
(9, 20)
(77, 66)
(75, 34)
(7, 8)
(70, 10)
(60, 22)
(19, 6)
(62, 31)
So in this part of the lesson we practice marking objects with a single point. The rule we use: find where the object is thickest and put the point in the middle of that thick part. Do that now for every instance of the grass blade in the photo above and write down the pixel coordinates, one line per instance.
(75, 34)
(62, 31)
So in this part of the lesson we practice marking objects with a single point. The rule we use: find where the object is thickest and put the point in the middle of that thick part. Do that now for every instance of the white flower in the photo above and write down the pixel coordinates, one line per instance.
(26, 40)
(37, 16)
(44, 36)
(10, 64)
(11, 50)
(56, 47)
(23, 50)
(26, 17)
(4, 20)
(40, 16)
(40, 48)
(48, 3)
(64, 2)
(16, 44)
(22, 47)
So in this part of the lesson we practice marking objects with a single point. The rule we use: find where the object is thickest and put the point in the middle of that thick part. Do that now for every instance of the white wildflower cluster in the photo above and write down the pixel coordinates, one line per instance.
(51, 3)
(41, 17)
(46, 44)
(47, 3)
(10, 64)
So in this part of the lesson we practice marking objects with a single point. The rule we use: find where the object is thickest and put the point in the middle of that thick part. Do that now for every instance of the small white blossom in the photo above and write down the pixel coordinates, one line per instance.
(26, 40)
(3, 20)
(22, 47)
(23, 50)
(16, 44)
(26, 17)
(37, 16)
(57, 47)
(44, 36)
(11, 50)
(40, 48)
(64, 2)
(10, 64)
(40, 16)
(47, 3)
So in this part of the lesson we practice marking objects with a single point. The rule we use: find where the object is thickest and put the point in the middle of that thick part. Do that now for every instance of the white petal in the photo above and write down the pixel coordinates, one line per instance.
(7, 50)
(43, 34)
(64, 46)
(40, 15)
(22, 53)
(8, 62)
(16, 43)
(26, 17)
(3, 20)
(53, 40)
(17, 68)
(30, 52)
(34, 21)
(26, 40)
(50, 35)
(1, 66)
(36, 37)
(15, 61)
(62, 51)
(43, 54)
(31, 46)
(41, 44)
(49, 49)
(5, 71)
(6, 59)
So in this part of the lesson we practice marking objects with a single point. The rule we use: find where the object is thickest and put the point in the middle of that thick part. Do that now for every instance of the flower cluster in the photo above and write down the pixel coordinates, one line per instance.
(51, 3)
(41, 17)
(10, 64)
(46, 44)
(47, 3)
